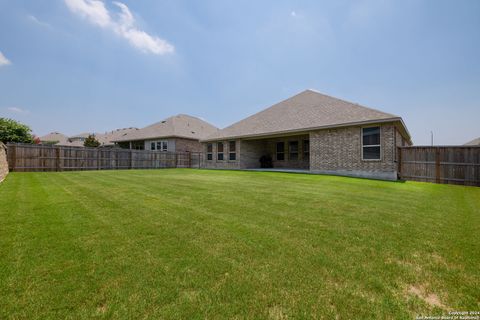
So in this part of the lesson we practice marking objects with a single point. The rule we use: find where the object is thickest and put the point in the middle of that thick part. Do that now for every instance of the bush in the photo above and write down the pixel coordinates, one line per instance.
(91, 142)
(13, 131)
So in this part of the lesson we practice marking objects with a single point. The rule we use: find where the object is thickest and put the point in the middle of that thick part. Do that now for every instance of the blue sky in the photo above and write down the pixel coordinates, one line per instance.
(89, 65)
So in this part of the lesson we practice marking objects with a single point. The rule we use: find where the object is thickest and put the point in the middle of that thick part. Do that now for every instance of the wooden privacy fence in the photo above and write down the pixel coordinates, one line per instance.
(453, 165)
(28, 157)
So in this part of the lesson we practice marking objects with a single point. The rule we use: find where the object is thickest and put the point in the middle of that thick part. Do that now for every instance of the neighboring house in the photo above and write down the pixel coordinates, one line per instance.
(312, 132)
(105, 139)
(54, 138)
(79, 138)
(474, 142)
(180, 133)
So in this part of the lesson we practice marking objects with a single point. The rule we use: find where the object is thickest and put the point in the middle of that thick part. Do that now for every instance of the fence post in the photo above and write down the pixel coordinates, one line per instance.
(57, 158)
(131, 159)
(14, 157)
(400, 162)
(98, 159)
(437, 165)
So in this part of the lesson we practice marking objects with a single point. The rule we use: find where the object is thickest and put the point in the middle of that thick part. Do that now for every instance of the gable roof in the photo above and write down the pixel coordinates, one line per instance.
(54, 137)
(180, 126)
(307, 110)
(474, 142)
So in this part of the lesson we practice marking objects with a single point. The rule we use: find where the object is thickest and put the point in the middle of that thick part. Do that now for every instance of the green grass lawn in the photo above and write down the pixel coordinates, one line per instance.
(195, 244)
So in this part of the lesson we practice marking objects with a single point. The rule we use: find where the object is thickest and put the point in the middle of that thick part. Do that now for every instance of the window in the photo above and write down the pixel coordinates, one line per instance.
(159, 145)
(220, 151)
(306, 149)
(371, 143)
(232, 150)
(280, 151)
(209, 151)
(293, 150)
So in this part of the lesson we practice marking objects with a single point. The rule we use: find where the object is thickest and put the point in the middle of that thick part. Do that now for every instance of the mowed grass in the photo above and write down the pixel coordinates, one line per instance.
(195, 244)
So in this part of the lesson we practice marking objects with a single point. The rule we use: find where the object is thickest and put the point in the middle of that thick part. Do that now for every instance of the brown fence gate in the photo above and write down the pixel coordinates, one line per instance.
(453, 165)
(30, 157)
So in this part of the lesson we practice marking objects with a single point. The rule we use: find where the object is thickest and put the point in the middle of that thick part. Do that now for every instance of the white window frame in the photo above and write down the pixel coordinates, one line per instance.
(163, 145)
(371, 145)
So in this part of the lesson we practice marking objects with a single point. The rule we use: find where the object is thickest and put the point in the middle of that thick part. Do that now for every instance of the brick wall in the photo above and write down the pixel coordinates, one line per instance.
(222, 164)
(3, 162)
(339, 151)
(184, 145)
(251, 151)
(177, 144)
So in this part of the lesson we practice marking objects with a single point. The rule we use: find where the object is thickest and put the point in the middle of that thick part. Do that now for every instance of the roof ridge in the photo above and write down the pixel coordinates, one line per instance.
(350, 102)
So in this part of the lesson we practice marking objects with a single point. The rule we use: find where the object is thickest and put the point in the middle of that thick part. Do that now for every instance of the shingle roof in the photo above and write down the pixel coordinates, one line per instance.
(54, 136)
(76, 143)
(306, 110)
(106, 139)
(474, 142)
(80, 135)
(182, 125)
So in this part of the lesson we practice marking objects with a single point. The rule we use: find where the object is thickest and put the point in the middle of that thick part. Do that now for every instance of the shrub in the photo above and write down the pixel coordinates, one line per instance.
(14, 131)
(91, 142)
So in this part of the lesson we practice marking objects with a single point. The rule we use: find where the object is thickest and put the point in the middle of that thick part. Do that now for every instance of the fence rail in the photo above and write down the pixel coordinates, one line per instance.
(448, 164)
(27, 157)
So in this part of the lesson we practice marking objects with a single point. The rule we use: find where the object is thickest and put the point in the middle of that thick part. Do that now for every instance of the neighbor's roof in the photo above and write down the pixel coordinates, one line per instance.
(474, 142)
(75, 143)
(80, 135)
(182, 125)
(107, 138)
(54, 136)
(307, 110)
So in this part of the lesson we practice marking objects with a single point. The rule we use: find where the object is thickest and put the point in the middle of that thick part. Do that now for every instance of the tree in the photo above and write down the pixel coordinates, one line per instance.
(13, 131)
(91, 142)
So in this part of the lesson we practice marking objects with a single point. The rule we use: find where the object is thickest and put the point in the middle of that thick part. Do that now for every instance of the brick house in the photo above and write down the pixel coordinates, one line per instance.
(180, 133)
(315, 133)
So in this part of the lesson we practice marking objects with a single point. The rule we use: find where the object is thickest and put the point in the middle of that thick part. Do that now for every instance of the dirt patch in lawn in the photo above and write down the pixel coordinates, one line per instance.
(431, 299)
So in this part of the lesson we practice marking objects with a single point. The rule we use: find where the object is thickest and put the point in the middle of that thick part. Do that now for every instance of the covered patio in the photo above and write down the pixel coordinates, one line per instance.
(284, 153)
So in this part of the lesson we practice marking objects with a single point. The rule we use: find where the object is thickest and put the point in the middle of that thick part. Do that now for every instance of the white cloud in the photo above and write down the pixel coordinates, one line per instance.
(92, 10)
(18, 110)
(37, 21)
(293, 14)
(123, 24)
(3, 60)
